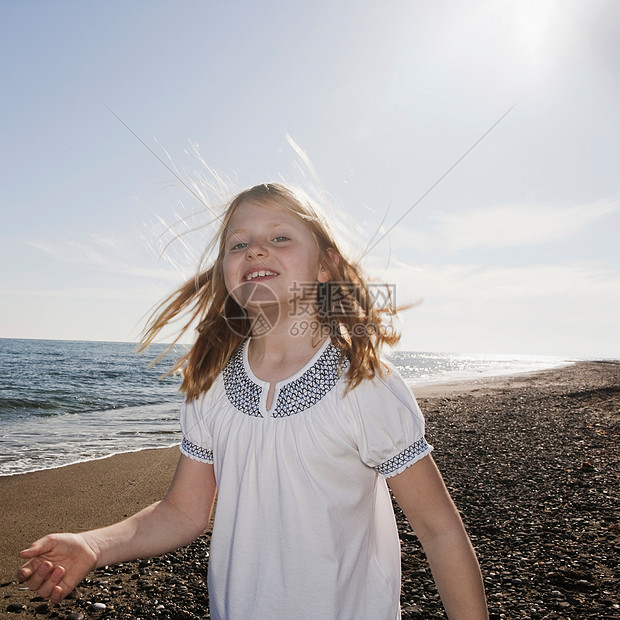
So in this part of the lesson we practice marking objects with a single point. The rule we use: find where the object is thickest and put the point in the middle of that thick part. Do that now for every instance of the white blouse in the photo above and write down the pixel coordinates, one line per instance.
(304, 525)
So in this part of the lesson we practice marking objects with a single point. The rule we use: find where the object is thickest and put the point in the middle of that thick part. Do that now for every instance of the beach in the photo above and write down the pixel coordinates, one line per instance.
(531, 461)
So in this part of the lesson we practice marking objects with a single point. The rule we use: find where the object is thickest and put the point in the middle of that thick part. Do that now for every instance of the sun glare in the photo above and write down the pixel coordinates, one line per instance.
(534, 28)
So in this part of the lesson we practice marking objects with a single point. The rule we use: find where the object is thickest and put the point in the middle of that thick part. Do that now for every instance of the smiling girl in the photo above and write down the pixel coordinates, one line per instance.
(301, 431)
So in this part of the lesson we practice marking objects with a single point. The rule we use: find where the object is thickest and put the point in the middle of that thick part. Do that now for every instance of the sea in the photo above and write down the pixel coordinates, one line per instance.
(64, 401)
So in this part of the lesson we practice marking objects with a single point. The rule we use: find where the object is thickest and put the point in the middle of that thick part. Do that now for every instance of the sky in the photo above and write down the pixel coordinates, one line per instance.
(468, 152)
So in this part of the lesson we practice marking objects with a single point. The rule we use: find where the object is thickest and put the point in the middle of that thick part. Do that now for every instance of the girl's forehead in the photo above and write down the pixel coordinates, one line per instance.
(253, 212)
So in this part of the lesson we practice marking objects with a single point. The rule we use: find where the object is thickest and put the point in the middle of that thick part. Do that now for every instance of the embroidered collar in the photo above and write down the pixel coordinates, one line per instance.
(291, 396)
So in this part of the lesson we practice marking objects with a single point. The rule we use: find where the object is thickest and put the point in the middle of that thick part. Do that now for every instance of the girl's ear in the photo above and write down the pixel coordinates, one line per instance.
(326, 267)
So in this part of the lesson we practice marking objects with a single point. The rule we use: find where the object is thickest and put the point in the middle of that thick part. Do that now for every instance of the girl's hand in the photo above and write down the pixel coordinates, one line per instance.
(56, 564)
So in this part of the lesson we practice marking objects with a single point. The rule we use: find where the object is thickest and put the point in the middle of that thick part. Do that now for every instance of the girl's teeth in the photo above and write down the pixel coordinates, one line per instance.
(259, 274)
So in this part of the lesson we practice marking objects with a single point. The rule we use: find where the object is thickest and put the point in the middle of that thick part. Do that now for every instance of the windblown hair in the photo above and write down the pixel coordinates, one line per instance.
(354, 323)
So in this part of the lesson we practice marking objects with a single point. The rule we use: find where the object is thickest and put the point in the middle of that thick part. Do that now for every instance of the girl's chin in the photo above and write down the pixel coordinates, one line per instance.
(255, 307)
(254, 295)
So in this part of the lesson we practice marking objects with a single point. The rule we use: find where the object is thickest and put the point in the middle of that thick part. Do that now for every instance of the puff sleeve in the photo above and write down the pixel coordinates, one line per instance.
(197, 443)
(388, 425)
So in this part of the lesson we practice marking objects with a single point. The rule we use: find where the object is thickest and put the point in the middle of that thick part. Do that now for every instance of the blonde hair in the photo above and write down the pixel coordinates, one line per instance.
(354, 325)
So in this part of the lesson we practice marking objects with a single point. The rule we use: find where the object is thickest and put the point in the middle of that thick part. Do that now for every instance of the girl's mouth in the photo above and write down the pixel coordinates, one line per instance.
(259, 274)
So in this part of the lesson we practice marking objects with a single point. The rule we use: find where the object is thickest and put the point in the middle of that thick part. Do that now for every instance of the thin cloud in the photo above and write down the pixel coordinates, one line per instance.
(69, 251)
(511, 226)
(560, 309)
(113, 255)
(500, 227)
(80, 293)
(563, 282)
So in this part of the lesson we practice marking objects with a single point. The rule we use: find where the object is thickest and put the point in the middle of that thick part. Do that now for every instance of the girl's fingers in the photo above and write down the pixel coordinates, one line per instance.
(57, 595)
(37, 548)
(49, 585)
(28, 553)
(39, 575)
(24, 573)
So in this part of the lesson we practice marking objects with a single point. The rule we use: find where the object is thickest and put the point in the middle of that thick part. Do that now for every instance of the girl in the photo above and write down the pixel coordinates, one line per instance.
(291, 414)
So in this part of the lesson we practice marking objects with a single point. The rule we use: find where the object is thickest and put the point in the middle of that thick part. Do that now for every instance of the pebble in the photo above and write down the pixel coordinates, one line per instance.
(76, 615)
(98, 607)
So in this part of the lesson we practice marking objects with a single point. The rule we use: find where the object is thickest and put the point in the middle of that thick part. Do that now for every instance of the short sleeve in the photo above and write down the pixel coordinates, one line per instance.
(197, 443)
(389, 426)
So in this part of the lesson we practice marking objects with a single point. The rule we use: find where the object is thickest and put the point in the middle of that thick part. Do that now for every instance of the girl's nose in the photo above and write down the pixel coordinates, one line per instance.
(255, 249)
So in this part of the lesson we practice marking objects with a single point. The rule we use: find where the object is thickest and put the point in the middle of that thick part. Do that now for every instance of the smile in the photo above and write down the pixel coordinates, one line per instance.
(259, 274)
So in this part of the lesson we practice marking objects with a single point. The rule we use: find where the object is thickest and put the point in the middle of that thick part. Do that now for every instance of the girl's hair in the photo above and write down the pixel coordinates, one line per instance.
(346, 308)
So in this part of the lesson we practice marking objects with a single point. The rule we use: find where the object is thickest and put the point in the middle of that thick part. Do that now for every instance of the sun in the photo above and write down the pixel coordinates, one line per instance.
(535, 29)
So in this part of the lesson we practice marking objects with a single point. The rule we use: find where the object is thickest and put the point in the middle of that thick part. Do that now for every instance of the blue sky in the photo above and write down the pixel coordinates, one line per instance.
(514, 251)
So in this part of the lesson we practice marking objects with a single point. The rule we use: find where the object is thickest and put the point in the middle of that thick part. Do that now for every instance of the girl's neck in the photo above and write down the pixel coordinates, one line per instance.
(283, 350)
(286, 343)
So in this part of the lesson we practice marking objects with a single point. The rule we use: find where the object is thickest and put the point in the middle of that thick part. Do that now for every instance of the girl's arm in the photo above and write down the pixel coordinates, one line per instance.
(58, 562)
(423, 497)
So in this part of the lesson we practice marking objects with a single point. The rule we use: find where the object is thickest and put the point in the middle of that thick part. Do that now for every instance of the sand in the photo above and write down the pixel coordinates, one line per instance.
(78, 497)
(531, 460)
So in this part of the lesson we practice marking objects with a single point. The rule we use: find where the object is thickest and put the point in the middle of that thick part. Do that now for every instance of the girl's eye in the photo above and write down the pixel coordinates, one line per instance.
(239, 246)
(281, 238)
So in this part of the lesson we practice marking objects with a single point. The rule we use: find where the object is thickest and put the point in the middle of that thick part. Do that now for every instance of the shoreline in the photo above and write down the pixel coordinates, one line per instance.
(87, 460)
(529, 459)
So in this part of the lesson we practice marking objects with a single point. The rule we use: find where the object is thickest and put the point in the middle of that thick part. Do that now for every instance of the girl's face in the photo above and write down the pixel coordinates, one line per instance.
(270, 256)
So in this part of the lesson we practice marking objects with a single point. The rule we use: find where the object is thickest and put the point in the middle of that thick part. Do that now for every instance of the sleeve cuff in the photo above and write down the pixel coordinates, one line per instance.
(404, 459)
(198, 453)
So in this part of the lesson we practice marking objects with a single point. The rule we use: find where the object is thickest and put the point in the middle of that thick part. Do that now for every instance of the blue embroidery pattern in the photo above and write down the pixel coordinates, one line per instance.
(316, 382)
(191, 449)
(404, 457)
(294, 397)
(242, 392)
